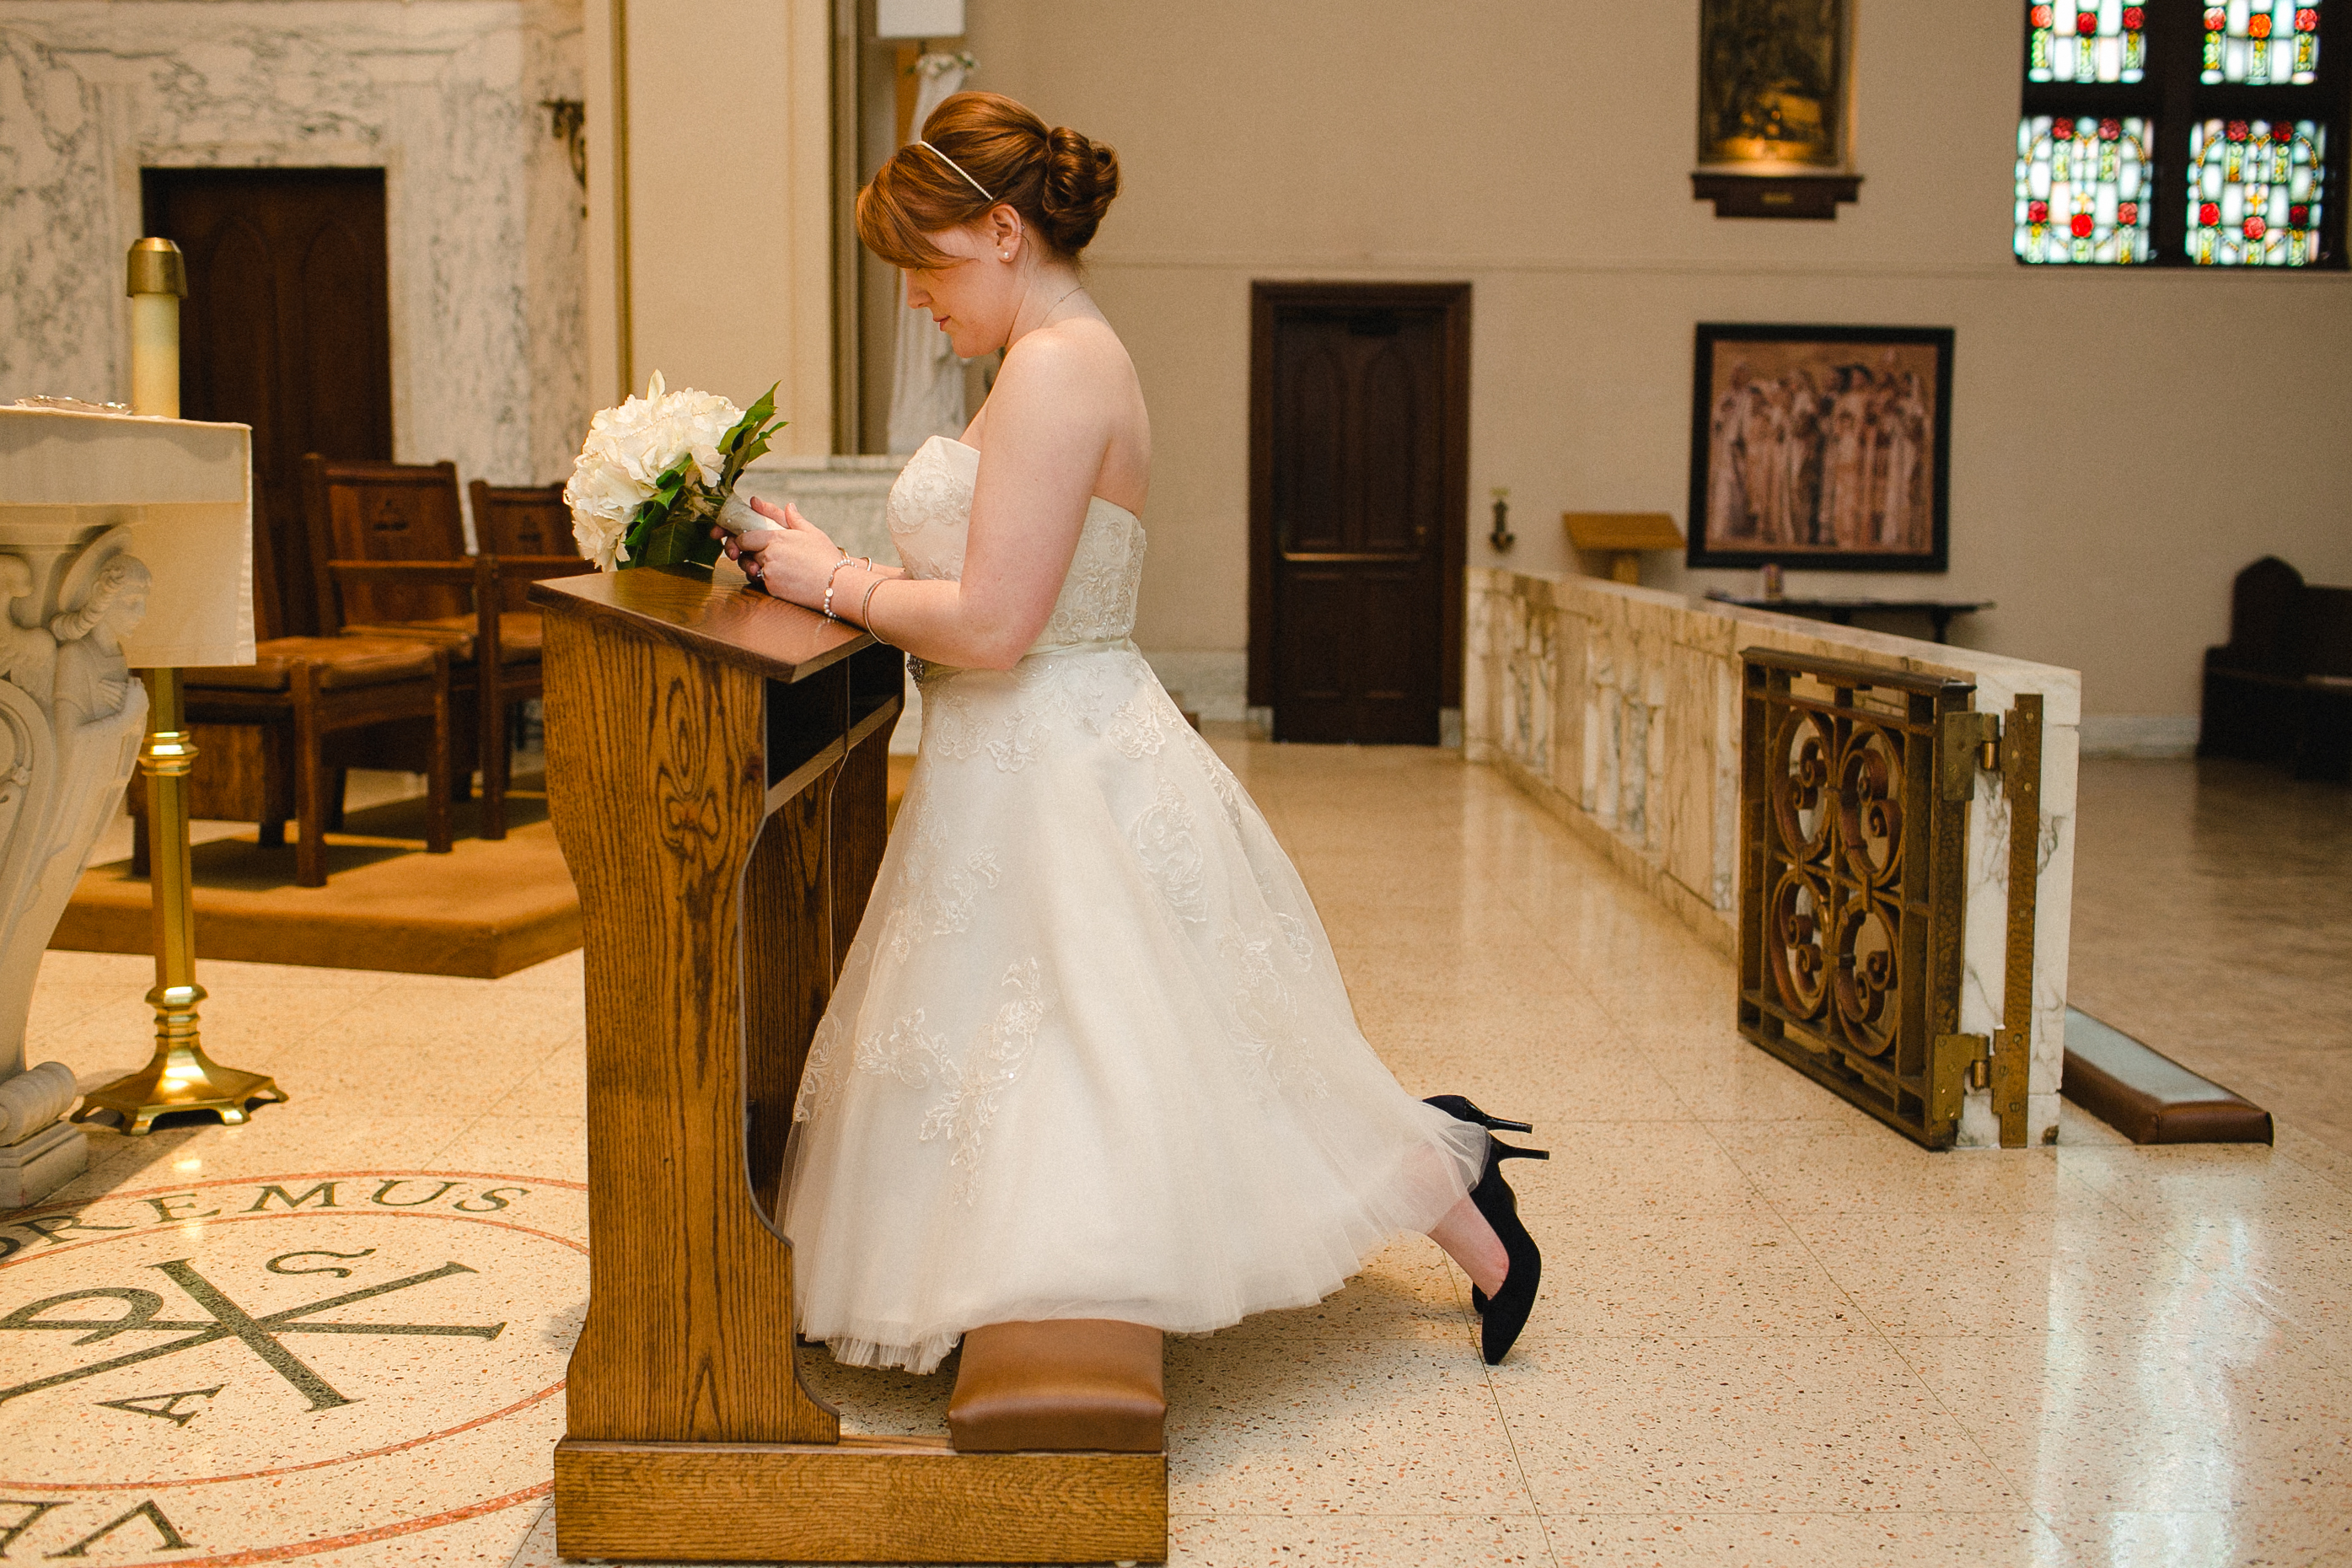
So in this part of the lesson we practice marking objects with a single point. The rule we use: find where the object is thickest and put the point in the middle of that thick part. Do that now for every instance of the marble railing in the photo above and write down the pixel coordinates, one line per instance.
(1617, 707)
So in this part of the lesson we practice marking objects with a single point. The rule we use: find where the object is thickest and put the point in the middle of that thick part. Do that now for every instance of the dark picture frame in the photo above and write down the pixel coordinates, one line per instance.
(1821, 449)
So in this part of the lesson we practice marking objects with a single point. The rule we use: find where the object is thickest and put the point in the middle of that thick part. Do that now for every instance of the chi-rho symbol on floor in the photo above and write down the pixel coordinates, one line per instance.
(281, 1367)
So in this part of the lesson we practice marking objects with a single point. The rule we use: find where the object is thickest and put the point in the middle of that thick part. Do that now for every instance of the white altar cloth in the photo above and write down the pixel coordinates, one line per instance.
(183, 489)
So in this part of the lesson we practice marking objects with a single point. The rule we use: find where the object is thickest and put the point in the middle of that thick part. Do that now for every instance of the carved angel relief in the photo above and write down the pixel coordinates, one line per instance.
(71, 720)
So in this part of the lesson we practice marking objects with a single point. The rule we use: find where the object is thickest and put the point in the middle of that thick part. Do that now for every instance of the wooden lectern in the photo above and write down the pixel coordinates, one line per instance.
(716, 767)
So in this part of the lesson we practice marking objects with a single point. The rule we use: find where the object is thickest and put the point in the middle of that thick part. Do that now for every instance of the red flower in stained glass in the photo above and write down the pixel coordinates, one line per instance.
(2110, 128)
(2254, 228)
(2082, 226)
(2037, 212)
(2039, 15)
(2127, 214)
(2307, 19)
(2132, 17)
(2209, 214)
(2298, 216)
(2258, 25)
(2063, 130)
(2283, 132)
(2237, 131)
(2216, 19)
(2088, 23)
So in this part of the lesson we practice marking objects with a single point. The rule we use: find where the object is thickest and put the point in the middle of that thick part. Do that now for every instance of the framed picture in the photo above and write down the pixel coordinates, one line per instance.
(1771, 85)
(1822, 449)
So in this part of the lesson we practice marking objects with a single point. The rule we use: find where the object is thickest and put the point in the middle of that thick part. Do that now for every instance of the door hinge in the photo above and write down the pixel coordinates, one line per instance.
(1962, 1062)
(1968, 741)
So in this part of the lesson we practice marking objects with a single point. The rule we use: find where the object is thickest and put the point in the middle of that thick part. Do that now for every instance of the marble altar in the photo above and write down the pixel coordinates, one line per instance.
(125, 544)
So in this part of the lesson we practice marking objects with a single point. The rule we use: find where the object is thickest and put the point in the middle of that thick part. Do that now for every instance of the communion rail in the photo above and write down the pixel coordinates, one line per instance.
(1626, 713)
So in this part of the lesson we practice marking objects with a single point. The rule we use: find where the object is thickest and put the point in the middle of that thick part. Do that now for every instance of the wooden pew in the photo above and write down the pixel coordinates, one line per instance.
(2280, 688)
(716, 767)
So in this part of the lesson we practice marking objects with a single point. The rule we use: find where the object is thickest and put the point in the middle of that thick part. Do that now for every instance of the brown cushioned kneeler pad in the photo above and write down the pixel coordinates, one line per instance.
(2147, 1096)
(1072, 1383)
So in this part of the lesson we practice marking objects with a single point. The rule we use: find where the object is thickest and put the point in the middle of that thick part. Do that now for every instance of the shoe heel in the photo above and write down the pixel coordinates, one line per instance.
(1459, 1107)
(1513, 1151)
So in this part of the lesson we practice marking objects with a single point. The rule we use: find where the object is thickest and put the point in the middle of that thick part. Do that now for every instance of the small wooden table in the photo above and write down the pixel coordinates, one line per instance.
(1841, 609)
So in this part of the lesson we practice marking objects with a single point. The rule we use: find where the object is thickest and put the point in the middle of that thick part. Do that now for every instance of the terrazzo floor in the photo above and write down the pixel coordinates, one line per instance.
(1773, 1331)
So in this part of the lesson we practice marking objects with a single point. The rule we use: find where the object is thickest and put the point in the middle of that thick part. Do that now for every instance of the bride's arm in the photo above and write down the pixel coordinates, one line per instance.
(1047, 432)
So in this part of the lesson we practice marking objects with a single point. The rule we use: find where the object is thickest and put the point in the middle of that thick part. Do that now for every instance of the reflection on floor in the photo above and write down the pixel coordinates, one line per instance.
(1772, 1330)
(2213, 920)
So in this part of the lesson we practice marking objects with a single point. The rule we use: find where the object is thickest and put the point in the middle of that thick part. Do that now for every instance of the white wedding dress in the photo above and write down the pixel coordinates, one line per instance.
(1090, 1055)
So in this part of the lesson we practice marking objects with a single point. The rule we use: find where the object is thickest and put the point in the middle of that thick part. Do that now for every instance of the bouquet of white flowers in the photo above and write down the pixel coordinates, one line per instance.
(655, 473)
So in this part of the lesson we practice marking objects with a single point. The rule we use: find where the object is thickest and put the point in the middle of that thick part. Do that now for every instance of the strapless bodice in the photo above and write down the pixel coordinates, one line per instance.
(930, 513)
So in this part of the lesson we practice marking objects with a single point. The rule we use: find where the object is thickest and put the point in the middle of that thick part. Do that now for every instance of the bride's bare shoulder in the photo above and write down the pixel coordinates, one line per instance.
(1068, 355)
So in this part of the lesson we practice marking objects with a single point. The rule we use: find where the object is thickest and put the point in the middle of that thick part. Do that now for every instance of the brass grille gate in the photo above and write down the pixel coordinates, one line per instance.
(1853, 844)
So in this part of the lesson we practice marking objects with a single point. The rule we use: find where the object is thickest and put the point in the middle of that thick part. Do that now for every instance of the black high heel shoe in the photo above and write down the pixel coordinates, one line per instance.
(1505, 1311)
(1461, 1109)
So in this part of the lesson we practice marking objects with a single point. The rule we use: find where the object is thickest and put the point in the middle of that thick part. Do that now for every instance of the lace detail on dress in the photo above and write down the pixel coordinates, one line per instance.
(968, 712)
(906, 1054)
(988, 1070)
(935, 896)
(1268, 1037)
(1163, 839)
(1098, 598)
(817, 1085)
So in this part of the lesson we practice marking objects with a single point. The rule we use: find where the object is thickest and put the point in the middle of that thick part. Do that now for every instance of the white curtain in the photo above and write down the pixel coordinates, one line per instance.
(926, 379)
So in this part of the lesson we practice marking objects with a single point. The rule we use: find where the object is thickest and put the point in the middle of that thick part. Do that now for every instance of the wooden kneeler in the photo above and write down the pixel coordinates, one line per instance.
(717, 766)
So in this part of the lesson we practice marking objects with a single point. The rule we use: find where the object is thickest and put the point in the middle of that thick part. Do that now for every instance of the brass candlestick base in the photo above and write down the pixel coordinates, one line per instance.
(179, 1077)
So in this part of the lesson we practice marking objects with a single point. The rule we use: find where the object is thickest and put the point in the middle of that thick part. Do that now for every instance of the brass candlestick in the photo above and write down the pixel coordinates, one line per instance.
(178, 1077)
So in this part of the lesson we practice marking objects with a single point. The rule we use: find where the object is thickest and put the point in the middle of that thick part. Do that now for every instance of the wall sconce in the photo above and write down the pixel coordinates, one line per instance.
(567, 122)
(1502, 539)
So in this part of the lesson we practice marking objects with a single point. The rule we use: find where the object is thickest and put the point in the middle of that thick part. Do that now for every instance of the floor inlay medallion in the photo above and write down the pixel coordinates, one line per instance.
(256, 1370)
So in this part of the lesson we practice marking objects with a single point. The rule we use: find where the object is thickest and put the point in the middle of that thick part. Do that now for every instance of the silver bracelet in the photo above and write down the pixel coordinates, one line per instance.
(827, 606)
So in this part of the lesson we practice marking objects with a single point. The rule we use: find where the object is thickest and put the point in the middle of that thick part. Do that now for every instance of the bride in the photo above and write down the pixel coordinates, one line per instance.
(1090, 1054)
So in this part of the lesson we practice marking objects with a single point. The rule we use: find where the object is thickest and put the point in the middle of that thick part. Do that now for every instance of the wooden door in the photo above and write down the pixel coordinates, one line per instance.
(1358, 508)
(287, 327)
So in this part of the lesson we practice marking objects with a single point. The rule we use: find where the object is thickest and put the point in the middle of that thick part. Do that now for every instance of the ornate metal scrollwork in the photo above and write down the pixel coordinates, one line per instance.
(1851, 878)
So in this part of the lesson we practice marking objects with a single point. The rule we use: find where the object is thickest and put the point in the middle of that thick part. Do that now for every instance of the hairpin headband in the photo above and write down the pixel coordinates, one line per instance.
(958, 168)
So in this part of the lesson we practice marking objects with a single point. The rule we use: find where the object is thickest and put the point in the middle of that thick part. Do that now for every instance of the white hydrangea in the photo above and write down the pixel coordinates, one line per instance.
(628, 449)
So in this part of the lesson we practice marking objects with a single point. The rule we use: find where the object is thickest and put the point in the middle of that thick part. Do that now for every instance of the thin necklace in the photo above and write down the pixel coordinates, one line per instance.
(1059, 304)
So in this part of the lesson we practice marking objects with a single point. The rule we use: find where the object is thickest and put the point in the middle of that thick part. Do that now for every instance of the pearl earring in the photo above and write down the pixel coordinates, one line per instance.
(1005, 256)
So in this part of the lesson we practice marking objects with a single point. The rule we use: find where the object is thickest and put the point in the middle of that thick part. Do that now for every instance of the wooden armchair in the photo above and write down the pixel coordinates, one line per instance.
(275, 738)
(389, 551)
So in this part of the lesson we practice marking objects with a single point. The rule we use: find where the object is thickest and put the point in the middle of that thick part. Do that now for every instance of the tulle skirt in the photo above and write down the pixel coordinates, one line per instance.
(1090, 1055)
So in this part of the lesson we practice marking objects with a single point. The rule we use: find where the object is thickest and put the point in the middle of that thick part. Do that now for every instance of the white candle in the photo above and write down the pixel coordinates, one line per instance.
(155, 354)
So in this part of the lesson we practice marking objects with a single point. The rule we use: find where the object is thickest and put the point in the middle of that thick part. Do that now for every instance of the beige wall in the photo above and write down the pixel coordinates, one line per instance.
(2122, 444)
(727, 215)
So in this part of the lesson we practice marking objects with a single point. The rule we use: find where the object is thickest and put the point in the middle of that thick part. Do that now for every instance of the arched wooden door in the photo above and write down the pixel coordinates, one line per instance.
(1360, 436)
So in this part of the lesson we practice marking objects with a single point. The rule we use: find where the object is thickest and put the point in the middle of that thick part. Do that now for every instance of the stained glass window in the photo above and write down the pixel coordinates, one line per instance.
(2254, 191)
(2087, 40)
(2261, 42)
(2081, 189)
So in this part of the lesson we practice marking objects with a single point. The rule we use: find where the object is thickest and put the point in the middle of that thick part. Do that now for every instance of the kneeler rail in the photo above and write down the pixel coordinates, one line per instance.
(717, 770)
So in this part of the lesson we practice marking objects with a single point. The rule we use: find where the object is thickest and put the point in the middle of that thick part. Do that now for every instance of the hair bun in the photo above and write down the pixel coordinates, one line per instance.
(1081, 178)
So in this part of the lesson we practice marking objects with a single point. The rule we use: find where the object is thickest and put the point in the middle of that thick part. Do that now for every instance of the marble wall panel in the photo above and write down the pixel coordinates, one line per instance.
(483, 216)
(1648, 686)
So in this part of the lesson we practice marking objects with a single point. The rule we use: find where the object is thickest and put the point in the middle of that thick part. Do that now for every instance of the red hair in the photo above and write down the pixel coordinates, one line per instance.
(1058, 180)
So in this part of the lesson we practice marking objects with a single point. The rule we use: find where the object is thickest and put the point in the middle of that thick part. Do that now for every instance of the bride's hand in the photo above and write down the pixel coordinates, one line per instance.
(791, 559)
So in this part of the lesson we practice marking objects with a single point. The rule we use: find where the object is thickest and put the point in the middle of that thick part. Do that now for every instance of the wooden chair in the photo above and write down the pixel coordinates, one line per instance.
(389, 555)
(520, 520)
(274, 738)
